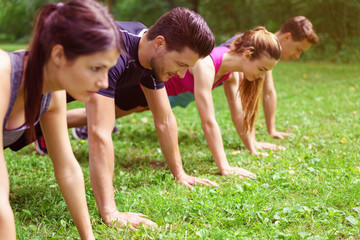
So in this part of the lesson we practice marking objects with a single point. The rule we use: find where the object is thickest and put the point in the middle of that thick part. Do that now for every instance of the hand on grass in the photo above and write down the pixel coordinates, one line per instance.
(123, 219)
(242, 173)
(266, 145)
(257, 154)
(277, 134)
(189, 181)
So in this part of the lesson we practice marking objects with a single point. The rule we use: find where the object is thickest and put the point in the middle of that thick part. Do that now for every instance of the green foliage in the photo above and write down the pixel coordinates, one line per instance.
(16, 19)
(11, 47)
(337, 21)
(309, 191)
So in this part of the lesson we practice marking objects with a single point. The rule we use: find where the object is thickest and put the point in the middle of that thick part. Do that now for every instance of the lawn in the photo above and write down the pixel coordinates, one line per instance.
(12, 46)
(309, 191)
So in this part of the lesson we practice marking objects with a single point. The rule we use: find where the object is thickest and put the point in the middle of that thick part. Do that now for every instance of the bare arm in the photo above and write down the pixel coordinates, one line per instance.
(7, 222)
(204, 73)
(76, 117)
(166, 128)
(67, 171)
(101, 121)
(269, 105)
(231, 91)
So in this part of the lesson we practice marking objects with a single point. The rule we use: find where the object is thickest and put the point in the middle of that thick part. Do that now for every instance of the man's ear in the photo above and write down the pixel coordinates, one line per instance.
(160, 42)
(287, 36)
(57, 54)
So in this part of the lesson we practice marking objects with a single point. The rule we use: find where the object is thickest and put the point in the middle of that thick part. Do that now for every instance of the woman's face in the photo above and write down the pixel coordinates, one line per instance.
(85, 75)
(256, 69)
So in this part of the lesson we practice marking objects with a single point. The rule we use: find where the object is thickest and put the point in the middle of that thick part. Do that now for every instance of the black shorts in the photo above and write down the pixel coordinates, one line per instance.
(130, 97)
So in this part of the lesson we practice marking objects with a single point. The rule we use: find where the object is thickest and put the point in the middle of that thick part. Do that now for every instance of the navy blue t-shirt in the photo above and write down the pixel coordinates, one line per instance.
(228, 42)
(127, 70)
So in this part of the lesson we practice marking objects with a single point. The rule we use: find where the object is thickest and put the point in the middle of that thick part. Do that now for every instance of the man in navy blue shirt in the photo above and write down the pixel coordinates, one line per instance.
(151, 56)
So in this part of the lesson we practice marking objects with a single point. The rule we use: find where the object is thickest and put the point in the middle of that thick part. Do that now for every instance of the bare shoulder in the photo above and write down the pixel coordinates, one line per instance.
(5, 76)
(206, 62)
(5, 65)
(5, 71)
(58, 101)
(203, 65)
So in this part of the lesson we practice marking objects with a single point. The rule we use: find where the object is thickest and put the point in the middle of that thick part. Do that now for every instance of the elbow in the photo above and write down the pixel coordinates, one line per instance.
(208, 124)
(99, 135)
(165, 124)
(268, 95)
(70, 174)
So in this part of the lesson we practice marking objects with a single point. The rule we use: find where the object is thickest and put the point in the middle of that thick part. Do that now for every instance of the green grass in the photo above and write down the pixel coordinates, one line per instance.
(309, 191)
(11, 46)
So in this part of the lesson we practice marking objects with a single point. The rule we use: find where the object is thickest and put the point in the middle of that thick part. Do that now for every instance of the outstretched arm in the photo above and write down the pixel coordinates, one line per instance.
(101, 120)
(7, 222)
(269, 105)
(166, 128)
(204, 73)
(67, 170)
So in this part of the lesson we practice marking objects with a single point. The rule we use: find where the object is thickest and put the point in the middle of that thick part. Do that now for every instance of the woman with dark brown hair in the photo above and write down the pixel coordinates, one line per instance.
(73, 46)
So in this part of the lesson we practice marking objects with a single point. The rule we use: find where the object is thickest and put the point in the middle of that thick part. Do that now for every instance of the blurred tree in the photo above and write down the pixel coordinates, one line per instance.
(17, 17)
(336, 21)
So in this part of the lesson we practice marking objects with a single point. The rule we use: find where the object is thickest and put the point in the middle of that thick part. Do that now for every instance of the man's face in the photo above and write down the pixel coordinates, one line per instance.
(167, 64)
(293, 49)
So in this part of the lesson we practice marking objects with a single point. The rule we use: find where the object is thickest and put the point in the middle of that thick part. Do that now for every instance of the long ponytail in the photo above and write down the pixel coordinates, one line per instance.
(250, 97)
(34, 69)
(81, 26)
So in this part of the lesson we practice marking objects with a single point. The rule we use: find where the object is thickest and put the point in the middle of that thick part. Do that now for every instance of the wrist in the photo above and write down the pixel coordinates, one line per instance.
(179, 175)
(89, 236)
(254, 153)
(271, 131)
(225, 171)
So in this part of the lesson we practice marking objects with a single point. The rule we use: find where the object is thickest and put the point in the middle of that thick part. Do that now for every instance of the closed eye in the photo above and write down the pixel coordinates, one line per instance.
(182, 64)
(263, 69)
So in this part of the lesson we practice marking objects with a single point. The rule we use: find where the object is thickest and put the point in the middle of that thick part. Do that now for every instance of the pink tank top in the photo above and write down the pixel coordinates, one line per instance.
(175, 85)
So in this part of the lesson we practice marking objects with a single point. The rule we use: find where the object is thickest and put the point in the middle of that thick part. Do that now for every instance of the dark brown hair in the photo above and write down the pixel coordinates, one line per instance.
(182, 28)
(300, 28)
(81, 26)
(259, 42)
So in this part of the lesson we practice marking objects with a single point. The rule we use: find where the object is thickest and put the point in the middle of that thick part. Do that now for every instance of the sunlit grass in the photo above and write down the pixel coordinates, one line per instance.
(309, 191)
(12, 47)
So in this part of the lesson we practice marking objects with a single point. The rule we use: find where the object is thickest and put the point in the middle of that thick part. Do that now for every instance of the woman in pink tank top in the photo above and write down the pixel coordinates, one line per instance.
(242, 70)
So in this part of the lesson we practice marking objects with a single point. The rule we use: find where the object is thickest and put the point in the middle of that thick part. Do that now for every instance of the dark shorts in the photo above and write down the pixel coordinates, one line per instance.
(130, 97)
(23, 141)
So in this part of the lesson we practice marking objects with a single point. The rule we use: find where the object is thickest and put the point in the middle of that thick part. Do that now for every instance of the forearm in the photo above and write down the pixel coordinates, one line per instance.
(168, 140)
(101, 167)
(247, 138)
(214, 140)
(269, 105)
(7, 223)
(71, 184)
